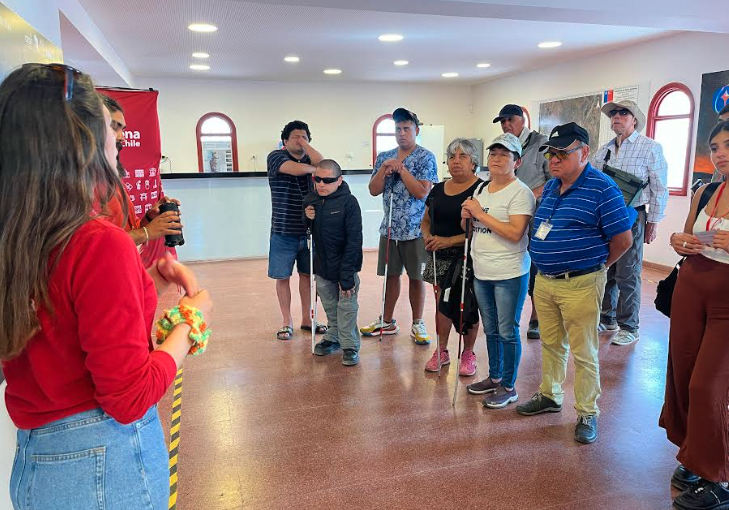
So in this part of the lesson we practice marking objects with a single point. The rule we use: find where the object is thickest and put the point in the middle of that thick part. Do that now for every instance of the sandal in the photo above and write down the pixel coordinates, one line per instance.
(285, 333)
(320, 328)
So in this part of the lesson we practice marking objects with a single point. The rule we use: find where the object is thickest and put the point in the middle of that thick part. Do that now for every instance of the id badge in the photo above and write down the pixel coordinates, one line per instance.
(707, 237)
(544, 228)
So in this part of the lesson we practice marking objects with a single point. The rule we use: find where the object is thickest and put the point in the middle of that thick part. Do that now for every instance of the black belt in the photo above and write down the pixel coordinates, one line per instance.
(640, 208)
(573, 274)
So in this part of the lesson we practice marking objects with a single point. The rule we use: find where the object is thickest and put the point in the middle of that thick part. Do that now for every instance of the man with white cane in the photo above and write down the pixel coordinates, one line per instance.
(403, 176)
(335, 221)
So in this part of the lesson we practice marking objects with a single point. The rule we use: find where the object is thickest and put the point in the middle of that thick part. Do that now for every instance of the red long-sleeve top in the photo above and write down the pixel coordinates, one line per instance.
(94, 349)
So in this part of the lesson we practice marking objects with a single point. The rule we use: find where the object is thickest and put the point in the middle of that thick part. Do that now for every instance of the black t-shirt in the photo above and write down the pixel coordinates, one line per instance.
(445, 210)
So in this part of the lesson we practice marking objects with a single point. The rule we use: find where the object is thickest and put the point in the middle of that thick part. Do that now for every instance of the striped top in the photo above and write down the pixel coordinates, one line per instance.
(584, 219)
(287, 194)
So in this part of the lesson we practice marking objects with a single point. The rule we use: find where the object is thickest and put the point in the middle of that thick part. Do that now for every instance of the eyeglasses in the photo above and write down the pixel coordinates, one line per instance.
(326, 180)
(69, 76)
(561, 155)
(622, 113)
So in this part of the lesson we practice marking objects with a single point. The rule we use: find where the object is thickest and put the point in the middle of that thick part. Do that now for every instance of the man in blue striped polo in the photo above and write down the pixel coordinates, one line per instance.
(581, 227)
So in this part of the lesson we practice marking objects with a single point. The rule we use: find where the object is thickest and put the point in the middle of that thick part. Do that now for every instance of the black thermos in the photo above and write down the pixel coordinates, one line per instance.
(174, 239)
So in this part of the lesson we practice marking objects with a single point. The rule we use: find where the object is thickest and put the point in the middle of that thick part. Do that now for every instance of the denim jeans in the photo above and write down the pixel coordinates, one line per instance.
(90, 461)
(341, 313)
(283, 251)
(501, 303)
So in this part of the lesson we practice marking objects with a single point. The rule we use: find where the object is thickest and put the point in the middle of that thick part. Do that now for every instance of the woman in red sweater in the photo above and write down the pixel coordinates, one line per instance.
(77, 307)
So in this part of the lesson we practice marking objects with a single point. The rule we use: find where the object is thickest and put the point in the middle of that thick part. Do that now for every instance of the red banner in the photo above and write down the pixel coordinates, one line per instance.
(141, 157)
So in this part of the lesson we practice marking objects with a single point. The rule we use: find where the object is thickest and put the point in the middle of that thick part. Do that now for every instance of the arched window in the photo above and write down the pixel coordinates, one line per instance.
(217, 144)
(383, 136)
(670, 123)
(527, 118)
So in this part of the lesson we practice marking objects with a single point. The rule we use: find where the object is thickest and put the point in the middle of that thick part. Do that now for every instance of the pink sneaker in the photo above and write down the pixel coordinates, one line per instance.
(432, 364)
(468, 364)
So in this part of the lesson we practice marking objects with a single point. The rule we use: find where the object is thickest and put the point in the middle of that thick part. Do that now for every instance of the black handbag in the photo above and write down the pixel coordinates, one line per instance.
(664, 291)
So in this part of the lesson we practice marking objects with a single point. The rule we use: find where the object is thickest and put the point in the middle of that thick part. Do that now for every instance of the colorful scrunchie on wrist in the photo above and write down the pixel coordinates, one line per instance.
(199, 332)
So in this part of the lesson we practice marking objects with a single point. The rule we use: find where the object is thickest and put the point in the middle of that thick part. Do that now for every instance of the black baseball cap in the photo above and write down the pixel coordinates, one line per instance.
(403, 115)
(563, 136)
(509, 110)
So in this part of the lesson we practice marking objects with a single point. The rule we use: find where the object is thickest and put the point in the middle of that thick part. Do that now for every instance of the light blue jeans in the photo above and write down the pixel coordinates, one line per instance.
(90, 461)
(501, 303)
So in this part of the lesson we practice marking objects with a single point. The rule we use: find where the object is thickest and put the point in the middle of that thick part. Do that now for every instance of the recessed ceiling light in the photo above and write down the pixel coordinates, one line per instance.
(332, 71)
(292, 59)
(549, 44)
(200, 54)
(390, 38)
(449, 75)
(199, 67)
(483, 65)
(401, 62)
(202, 27)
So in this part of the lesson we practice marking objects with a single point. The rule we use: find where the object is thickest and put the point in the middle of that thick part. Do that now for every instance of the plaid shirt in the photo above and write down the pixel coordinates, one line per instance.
(643, 157)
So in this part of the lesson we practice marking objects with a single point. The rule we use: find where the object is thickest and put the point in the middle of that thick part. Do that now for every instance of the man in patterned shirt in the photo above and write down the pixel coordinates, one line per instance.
(408, 172)
(641, 156)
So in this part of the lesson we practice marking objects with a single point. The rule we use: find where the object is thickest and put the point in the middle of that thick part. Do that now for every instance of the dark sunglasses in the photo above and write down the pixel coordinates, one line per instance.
(69, 76)
(326, 180)
(622, 113)
(561, 154)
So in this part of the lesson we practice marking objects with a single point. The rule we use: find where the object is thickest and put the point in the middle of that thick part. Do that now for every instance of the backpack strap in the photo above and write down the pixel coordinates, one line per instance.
(706, 195)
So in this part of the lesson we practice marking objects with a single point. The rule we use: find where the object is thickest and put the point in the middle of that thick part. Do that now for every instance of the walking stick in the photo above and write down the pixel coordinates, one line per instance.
(312, 288)
(463, 297)
(435, 285)
(387, 255)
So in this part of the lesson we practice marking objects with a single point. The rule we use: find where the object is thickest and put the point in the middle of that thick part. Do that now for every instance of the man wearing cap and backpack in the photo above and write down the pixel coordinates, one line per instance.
(533, 171)
(581, 227)
(642, 157)
(408, 172)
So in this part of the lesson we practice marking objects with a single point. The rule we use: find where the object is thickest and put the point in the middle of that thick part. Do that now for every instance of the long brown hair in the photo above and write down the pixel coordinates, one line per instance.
(53, 172)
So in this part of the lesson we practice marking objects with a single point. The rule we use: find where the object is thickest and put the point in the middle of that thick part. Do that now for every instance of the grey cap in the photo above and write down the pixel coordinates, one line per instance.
(508, 141)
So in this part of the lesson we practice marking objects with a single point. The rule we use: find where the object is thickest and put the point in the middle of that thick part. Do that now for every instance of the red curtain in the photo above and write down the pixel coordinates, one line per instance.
(141, 157)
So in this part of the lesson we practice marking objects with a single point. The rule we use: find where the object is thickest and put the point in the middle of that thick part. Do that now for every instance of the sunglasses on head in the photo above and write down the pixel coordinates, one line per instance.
(562, 155)
(69, 76)
(326, 180)
(622, 113)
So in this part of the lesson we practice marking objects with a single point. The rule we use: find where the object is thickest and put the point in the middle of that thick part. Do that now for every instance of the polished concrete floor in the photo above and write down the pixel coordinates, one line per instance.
(266, 425)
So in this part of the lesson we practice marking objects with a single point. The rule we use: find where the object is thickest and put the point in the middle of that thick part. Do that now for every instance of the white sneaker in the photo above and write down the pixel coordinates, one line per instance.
(624, 337)
(419, 333)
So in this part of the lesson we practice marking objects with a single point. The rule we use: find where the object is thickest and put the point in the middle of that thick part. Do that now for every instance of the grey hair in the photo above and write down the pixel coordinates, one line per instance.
(467, 147)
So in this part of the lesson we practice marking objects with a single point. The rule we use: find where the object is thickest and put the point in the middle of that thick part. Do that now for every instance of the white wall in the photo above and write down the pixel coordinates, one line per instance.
(340, 115)
(682, 58)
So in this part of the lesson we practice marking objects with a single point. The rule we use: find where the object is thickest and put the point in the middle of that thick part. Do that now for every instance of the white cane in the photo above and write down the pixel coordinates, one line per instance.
(463, 297)
(387, 256)
(312, 289)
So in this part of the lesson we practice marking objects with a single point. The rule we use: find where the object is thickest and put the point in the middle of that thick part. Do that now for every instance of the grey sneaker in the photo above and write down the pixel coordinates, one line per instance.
(586, 429)
(350, 357)
(533, 331)
(607, 327)
(625, 337)
(483, 387)
(325, 348)
(538, 404)
(501, 398)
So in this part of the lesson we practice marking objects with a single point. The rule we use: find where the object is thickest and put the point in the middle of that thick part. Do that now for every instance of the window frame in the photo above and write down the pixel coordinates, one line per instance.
(654, 118)
(374, 135)
(233, 138)
(528, 118)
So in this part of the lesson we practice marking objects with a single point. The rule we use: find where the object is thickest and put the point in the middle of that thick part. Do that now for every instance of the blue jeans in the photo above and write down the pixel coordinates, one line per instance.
(501, 303)
(283, 251)
(90, 461)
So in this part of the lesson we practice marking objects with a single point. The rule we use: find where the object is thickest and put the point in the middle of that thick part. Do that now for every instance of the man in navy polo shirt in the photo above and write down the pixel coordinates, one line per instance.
(581, 227)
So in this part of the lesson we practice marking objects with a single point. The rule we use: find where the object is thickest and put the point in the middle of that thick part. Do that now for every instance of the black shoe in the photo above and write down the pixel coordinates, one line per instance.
(682, 478)
(705, 495)
(350, 357)
(537, 405)
(325, 348)
(586, 429)
(533, 331)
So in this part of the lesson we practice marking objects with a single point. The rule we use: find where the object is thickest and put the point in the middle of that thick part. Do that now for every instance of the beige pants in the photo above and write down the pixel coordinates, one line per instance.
(569, 313)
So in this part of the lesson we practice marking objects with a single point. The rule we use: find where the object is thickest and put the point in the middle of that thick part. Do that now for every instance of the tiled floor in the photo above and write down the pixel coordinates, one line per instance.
(266, 425)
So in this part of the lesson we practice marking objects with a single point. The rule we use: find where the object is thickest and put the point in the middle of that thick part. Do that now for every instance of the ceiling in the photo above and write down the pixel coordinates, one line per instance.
(152, 38)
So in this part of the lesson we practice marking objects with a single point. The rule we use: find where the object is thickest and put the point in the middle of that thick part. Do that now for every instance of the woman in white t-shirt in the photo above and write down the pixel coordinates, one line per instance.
(500, 213)
(697, 380)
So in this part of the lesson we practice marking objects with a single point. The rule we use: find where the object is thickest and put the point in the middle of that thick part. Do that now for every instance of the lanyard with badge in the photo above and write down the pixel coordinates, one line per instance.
(546, 226)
